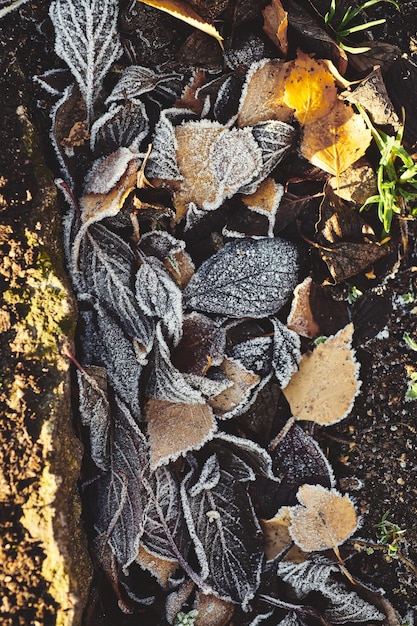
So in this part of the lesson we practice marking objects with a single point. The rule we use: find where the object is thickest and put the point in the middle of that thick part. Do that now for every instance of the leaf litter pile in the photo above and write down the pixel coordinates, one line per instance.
(213, 235)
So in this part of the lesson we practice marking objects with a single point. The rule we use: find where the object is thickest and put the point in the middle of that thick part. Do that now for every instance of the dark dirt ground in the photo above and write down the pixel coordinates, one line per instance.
(377, 444)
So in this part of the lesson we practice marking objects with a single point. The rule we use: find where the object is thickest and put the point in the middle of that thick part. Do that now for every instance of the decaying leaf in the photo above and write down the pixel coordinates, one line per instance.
(233, 400)
(212, 611)
(95, 412)
(327, 382)
(246, 278)
(300, 318)
(262, 95)
(162, 569)
(202, 345)
(310, 88)
(184, 12)
(324, 519)
(356, 184)
(346, 259)
(276, 25)
(265, 200)
(277, 537)
(227, 543)
(337, 140)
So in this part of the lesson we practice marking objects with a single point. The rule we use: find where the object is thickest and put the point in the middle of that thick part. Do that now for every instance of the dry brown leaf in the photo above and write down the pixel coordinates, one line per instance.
(276, 25)
(181, 267)
(162, 569)
(337, 140)
(265, 201)
(324, 519)
(212, 611)
(310, 88)
(262, 96)
(346, 259)
(175, 428)
(182, 11)
(356, 184)
(300, 318)
(189, 99)
(324, 388)
(243, 381)
(277, 537)
(77, 136)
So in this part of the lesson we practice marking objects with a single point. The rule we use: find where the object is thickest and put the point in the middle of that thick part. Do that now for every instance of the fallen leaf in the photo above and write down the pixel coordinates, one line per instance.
(262, 94)
(174, 428)
(326, 384)
(337, 140)
(212, 611)
(300, 318)
(235, 397)
(202, 345)
(356, 184)
(310, 88)
(95, 412)
(276, 25)
(181, 267)
(77, 136)
(380, 54)
(189, 98)
(265, 200)
(184, 12)
(346, 259)
(162, 569)
(277, 537)
(324, 519)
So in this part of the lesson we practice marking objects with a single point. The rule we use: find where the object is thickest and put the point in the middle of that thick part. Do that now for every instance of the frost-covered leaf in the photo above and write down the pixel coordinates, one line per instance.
(162, 162)
(247, 450)
(121, 500)
(108, 266)
(87, 39)
(212, 611)
(123, 125)
(265, 201)
(318, 574)
(246, 278)
(95, 412)
(223, 526)
(324, 519)
(159, 296)
(66, 111)
(326, 384)
(255, 354)
(165, 533)
(301, 318)
(134, 82)
(211, 385)
(286, 352)
(277, 537)
(202, 345)
(234, 399)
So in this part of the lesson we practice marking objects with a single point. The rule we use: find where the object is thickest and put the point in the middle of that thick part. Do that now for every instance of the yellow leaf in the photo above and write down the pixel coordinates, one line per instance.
(337, 140)
(324, 519)
(183, 12)
(325, 386)
(277, 537)
(262, 95)
(310, 88)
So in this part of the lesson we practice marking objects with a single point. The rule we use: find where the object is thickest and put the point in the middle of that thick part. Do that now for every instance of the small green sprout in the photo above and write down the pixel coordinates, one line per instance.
(412, 387)
(407, 298)
(318, 340)
(410, 341)
(389, 534)
(186, 619)
(354, 294)
(343, 29)
(396, 176)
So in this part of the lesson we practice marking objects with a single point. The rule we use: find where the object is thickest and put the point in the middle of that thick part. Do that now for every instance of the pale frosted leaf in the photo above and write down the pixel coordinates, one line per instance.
(175, 428)
(277, 537)
(255, 354)
(247, 450)
(9, 5)
(121, 499)
(234, 399)
(326, 384)
(227, 541)
(159, 296)
(109, 267)
(86, 38)
(286, 352)
(134, 82)
(212, 611)
(324, 519)
(53, 80)
(165, 533)
(210, 385)
(162, 162)
(246, 278)
(95, 412)
(123, 125)
(275, 140)
(300, 318)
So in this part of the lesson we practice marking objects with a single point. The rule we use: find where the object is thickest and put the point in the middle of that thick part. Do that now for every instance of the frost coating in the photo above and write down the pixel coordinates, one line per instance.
(246, 278)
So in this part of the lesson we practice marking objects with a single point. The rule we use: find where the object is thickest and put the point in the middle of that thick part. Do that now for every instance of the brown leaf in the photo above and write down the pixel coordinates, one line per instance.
(337, 140)
(310, 88)
(300, 318)
(326, 384)
(202, 345)
(243, 381)
(182, 11)
(356, 184)
(162, 569)
(262, 96)
(277, 537)
(346, 259)
(77, 136)
(181, 267)
(212, 611)
(175, 428)
(276, 25)
(324, 519)
(265, 201)
(189, 99)
(379, 53)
